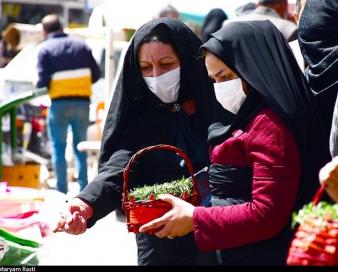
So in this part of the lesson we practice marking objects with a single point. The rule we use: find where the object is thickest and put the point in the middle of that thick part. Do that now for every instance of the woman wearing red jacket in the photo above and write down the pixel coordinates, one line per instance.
(263, 163)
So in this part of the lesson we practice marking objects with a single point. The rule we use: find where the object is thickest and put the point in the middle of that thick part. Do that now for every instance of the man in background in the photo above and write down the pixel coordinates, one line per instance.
(67, 68)
(169, 11)
(274, 10)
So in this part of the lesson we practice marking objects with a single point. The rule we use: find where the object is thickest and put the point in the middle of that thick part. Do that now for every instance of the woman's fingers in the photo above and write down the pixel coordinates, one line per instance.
(156, 223)
(59, 225)
(83, 225)
(73, 223)
(328, 175)
(69, 219)
(177, 221)
(161, 221)
(80, 225)
(65, 218)
(165, 232)
(168, 198)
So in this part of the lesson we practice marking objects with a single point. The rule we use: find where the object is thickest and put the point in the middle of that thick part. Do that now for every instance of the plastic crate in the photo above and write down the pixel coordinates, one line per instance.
(24, 175)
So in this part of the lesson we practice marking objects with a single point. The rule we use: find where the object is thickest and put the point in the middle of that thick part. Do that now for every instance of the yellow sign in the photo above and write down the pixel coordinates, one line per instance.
(11, 9)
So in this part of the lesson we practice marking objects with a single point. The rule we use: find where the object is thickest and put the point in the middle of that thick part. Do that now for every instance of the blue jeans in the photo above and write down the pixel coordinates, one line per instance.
(62, 114)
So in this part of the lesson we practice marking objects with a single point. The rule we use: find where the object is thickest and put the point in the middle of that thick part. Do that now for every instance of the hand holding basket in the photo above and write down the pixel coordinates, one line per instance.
(143, 211)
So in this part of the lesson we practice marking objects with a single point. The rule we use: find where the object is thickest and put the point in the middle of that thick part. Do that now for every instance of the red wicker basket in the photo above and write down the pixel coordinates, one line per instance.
(315, 241)
(141, 212)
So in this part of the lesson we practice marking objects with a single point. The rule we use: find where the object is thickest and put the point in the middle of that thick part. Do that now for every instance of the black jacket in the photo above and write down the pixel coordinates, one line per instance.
(137, 119)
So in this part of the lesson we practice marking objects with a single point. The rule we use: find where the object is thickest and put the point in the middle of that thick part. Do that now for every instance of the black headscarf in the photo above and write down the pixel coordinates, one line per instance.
(132, 91)
(318, 40)
(257, 52)
(213, 22)
(137, 118)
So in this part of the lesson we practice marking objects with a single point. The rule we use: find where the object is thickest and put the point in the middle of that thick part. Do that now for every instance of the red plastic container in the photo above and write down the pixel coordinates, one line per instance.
(316, 241)
(141, 212)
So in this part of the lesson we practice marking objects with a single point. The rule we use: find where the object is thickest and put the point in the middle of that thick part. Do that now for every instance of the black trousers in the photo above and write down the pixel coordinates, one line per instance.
(171, 252)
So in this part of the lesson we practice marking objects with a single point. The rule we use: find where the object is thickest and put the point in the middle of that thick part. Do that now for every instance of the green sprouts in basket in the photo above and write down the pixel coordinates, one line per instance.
(323, 210)
(182, 186)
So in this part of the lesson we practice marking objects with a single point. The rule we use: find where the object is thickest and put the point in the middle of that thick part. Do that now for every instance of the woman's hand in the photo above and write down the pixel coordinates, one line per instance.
(328, 176)
(176, 222)
(74, 219)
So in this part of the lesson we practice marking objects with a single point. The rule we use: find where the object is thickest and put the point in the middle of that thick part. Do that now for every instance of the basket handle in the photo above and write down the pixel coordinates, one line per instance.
(318, 194)
(138, 154)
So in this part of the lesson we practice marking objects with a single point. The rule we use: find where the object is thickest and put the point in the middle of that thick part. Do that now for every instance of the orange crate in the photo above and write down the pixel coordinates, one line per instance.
(24, 175)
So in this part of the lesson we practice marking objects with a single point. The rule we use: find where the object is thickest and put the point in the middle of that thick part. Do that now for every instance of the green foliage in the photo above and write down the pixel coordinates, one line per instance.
(176, 188)
(322, 210)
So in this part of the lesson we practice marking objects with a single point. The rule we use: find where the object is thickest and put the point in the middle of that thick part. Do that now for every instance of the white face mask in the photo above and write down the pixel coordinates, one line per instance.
(165, 86)
(230, 94)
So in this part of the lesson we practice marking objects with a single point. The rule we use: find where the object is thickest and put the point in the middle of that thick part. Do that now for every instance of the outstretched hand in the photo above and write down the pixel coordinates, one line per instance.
(176, 222)
(74, 218)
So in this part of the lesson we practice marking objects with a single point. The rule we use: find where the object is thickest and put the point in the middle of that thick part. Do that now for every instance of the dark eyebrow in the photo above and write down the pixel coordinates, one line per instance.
(218, 73)
(167, 57)
(170, 58)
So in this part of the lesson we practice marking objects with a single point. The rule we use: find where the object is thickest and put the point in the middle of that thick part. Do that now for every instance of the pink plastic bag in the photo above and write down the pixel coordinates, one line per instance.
(18, 200)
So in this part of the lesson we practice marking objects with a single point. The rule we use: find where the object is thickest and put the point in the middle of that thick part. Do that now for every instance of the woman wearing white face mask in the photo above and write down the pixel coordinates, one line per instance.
(165, 86)
(162, 97)
(262, 162)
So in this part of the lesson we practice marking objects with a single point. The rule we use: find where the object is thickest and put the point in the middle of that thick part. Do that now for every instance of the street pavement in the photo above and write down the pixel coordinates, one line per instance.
(106, 243)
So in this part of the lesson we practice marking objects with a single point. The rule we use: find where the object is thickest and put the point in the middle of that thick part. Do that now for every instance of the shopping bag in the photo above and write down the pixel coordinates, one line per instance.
(15, 250)
(17, 200)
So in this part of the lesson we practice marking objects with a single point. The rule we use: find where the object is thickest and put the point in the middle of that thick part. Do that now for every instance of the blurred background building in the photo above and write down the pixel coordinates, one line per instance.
(77, 12)
(74, 12)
